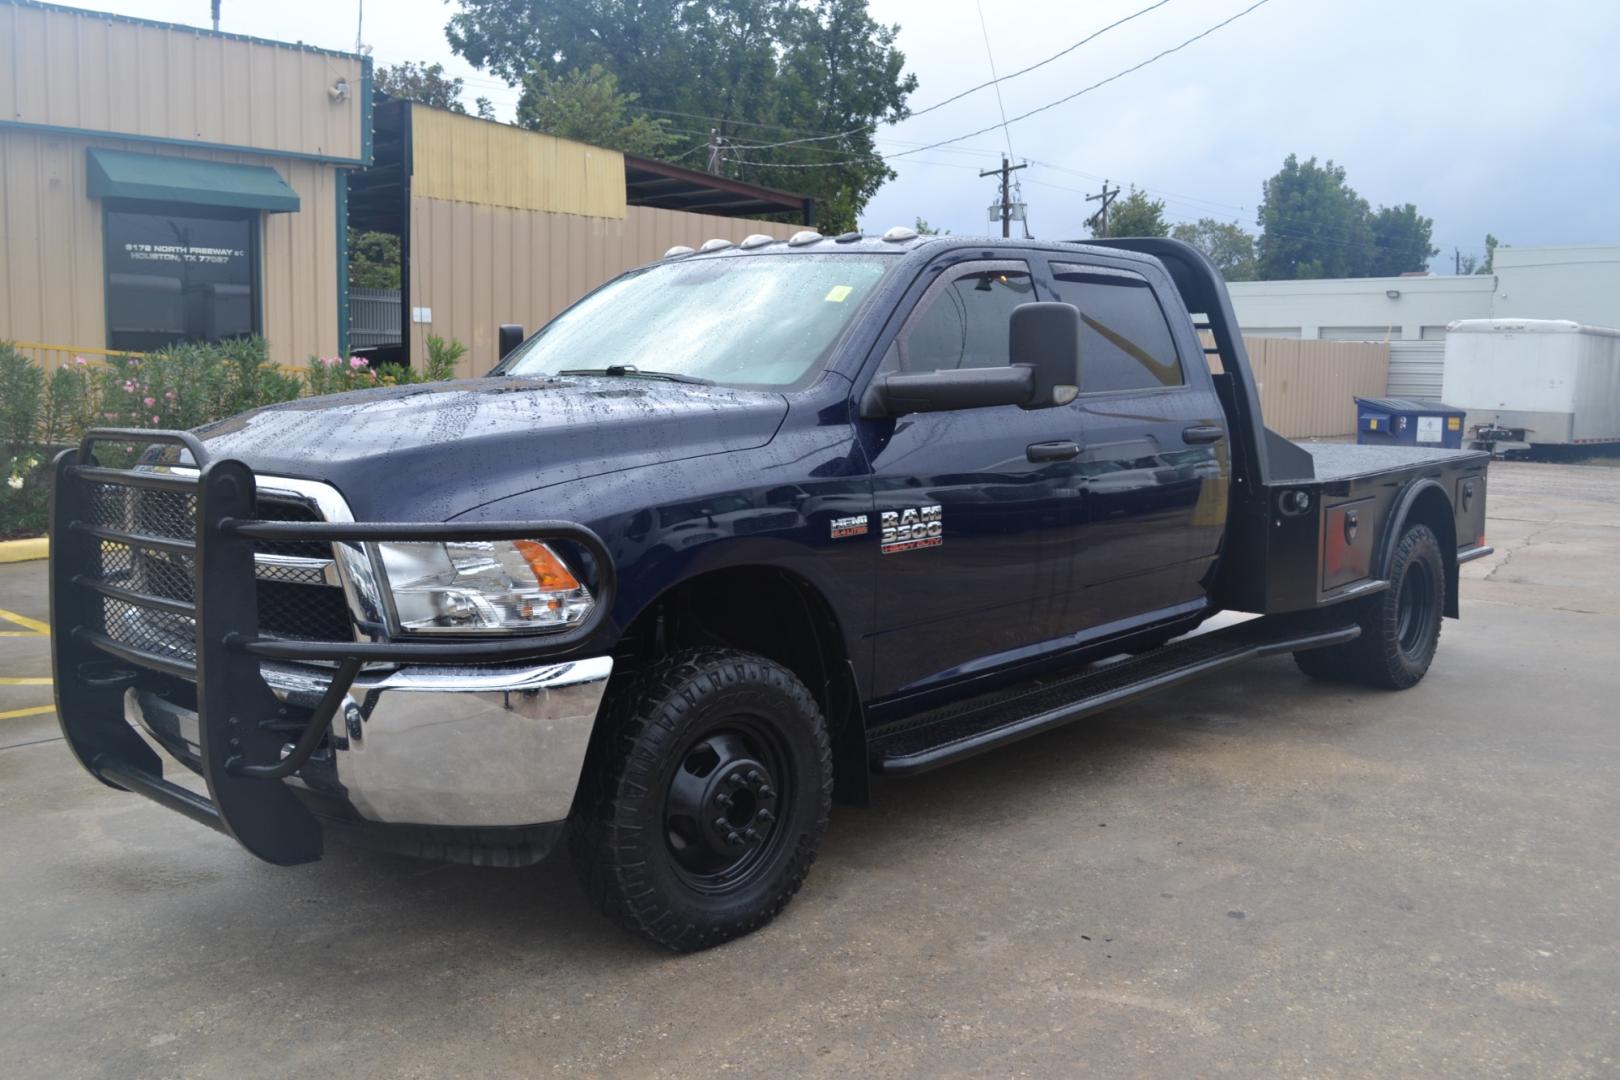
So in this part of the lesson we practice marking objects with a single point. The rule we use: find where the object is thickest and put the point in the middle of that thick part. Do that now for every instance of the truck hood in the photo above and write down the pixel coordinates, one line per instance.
(436, 450)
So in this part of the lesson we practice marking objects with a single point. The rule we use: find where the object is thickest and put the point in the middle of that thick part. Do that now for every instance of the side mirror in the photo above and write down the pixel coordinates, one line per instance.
(1044, 349)
(511, 336)
(1045, 337)
(901, 393)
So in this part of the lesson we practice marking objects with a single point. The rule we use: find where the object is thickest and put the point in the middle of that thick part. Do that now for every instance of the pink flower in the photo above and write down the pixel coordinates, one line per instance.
(129, 386)
(81, 361)
(154, 419)
(110, 415)
(330, 361)
(151, 401)
(170, 394)
(357, 362)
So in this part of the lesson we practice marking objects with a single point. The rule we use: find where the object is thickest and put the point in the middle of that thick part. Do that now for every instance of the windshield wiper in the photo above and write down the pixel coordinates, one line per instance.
(626, 371)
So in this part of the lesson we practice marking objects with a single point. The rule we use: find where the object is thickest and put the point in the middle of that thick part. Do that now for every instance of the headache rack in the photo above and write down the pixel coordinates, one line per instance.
(112, 571)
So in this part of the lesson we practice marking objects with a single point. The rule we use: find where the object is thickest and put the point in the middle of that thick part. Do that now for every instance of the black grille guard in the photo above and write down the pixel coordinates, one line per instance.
(242, 747)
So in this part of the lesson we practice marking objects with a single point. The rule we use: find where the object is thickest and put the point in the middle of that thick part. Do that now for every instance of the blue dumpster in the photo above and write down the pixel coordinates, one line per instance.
(1408, 422)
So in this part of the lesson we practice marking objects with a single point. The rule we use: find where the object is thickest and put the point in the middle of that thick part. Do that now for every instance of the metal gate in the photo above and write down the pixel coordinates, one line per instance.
(374, 317)
(1416, 369)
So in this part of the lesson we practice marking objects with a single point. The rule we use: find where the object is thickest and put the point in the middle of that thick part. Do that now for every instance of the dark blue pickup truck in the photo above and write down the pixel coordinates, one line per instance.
(736, 530)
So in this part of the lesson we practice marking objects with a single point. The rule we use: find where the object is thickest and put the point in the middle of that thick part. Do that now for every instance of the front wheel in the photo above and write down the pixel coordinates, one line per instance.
(705, 799)
(1400, 627)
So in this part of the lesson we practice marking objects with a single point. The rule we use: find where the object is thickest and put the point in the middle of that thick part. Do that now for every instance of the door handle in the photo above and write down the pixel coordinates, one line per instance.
(1203, 433)
(1062, 450)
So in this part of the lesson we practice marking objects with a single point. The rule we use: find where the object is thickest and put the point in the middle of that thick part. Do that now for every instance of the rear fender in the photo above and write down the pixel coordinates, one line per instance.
(1423, 501)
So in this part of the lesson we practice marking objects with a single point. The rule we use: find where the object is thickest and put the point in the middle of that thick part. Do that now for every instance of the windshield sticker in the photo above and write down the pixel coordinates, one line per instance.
(910, 530)
(848, 526)
(839, 293)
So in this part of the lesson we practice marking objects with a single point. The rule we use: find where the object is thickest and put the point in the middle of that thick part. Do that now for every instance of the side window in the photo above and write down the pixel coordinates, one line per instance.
(1125, 341)
(964, 322)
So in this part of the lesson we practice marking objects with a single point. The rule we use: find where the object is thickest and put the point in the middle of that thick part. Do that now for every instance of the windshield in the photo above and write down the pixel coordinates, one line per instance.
(753, 321)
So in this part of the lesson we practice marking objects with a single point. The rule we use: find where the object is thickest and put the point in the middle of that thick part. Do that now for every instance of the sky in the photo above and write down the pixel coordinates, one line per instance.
(1490, 115)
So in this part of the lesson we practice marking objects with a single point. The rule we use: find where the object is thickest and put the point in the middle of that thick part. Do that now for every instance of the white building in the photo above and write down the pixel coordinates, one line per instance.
(1577, 283)
(1581, 284)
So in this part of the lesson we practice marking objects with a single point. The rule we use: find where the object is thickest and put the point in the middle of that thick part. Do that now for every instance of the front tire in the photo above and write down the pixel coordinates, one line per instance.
(1400, 627)
(705, 798)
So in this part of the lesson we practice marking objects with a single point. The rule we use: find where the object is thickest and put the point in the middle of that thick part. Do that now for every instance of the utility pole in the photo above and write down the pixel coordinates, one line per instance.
(1456, 253)
(215, 13)
(1107, 197)
(1005, 173)
(714, 151)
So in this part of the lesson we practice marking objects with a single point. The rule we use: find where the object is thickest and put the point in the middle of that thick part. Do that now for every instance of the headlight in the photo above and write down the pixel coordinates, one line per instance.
(482, 586)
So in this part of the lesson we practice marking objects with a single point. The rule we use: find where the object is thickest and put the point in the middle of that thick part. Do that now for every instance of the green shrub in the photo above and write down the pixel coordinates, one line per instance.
(181, 386)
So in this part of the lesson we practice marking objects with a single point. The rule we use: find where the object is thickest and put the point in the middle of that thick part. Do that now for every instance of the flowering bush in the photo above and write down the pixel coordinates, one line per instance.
(182, 386)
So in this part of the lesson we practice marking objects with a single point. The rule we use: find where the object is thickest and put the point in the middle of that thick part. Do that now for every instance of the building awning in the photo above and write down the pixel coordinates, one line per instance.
(120, 174)
(675, 187)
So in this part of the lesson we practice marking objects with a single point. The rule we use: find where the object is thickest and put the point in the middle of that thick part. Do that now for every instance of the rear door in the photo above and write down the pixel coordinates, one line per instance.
(1153, 457)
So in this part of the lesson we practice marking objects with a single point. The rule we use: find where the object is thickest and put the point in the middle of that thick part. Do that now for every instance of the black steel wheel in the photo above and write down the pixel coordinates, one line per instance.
(1400, 627)
(704, 797)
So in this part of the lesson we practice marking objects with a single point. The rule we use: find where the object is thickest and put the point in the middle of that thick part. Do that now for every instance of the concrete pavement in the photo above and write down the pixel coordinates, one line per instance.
(1258, 876)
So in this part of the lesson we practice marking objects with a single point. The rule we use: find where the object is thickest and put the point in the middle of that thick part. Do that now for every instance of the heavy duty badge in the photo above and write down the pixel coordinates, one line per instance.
(908, 530)
(848, 526)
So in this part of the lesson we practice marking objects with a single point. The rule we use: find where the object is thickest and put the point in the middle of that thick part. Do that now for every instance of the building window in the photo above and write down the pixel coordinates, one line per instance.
(180, 274)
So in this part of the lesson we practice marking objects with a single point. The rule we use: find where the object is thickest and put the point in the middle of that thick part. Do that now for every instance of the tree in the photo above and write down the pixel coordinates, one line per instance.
(1400, 241)
(1489, 265)
(425, 83)
(1314, 225)
(771, 78)
(1135, 215)
(373, 260)
(925, 229)
(1227, 245)
(587, 106)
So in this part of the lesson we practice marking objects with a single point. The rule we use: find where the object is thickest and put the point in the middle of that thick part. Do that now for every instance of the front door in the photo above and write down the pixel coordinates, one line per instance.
(971, 504)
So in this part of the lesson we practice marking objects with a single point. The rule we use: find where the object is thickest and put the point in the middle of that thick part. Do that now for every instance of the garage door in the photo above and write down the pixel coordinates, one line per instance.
(1360, 333)
(1416, 368)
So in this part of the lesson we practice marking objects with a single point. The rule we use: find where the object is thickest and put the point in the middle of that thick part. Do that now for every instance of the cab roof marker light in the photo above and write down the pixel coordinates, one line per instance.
(717, 244)
(849, 237)
(678, 249)
(757, 240)
(803, 237)
(899, 235)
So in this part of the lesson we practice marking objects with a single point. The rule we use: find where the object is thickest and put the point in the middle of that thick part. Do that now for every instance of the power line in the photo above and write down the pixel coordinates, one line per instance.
(994, 81)
(1104, 82)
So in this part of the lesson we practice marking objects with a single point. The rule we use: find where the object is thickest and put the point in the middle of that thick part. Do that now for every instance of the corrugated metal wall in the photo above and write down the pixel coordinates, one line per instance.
(51, 284)
(1416, 368)
(97, 72)
(465, 159)
(475, 267)
(1307, 388)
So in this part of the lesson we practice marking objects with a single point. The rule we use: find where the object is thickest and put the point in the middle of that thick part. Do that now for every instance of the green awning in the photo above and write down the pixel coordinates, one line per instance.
(120, 174)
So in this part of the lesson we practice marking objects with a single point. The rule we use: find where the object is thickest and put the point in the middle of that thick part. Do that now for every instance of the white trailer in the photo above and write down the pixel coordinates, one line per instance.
(1534, 382)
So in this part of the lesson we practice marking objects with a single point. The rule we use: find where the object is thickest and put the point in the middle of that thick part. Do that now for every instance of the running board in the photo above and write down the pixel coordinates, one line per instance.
(960, 730)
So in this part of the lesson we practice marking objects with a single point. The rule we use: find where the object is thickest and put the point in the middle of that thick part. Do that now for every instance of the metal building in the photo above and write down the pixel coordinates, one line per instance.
(499, 224)
(161, 183)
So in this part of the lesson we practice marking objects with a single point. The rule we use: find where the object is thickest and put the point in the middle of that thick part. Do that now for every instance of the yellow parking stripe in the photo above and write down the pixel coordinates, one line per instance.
(5, 681)
(17, 714)
(24, 621)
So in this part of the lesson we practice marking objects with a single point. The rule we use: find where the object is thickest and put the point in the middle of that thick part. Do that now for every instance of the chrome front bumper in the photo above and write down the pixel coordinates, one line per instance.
(437, 746)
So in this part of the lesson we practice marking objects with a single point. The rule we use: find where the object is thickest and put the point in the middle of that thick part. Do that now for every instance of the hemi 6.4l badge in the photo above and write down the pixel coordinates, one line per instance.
(849, 526)
(908, 530)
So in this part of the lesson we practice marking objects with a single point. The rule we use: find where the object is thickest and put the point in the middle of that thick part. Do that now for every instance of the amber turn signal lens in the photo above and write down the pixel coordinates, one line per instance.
(549, 571)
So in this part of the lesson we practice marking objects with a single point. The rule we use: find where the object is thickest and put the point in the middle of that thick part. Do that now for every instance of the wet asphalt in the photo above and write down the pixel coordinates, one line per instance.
(1258, 875)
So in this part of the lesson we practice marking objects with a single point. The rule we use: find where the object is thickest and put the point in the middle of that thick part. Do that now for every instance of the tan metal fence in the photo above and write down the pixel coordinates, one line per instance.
(1307, 388)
